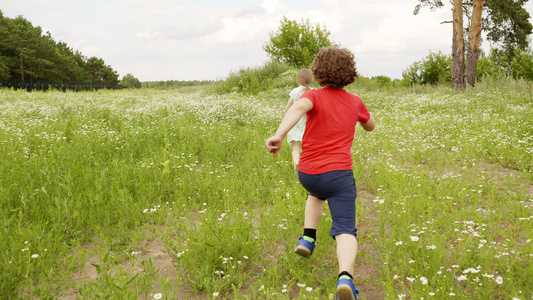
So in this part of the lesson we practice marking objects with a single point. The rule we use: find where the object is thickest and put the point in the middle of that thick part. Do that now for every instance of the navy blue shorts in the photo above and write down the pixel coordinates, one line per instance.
(338, 187)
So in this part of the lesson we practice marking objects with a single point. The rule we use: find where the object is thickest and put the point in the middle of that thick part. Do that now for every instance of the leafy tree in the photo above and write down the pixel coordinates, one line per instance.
(4, 68)
(71, 64)
(383, 81)
(506, 22)
(100, 72)
(487, 67)
(130, 81)
(433, 69)
(297, 43)
(515, 63)
(412, 74)
(522, 64)
(5, 60)
(21, 40)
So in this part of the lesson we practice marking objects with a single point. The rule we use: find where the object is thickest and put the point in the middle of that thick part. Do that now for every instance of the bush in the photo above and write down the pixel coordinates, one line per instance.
(260, 79)
(130, 81)
(433, 69)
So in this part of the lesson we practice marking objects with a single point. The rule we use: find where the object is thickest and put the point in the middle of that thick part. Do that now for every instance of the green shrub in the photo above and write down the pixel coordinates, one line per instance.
(259, 79)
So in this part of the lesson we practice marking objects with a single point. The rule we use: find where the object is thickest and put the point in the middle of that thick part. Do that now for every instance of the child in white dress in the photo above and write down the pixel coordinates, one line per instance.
(294, 136)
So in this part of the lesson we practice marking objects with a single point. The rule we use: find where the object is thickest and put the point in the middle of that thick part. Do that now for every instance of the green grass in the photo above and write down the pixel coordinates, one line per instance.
(128, 194)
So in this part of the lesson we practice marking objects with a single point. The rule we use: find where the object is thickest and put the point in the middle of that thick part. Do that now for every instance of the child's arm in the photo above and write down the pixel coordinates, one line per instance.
(289, 104)
(294, 114)
(369, 125)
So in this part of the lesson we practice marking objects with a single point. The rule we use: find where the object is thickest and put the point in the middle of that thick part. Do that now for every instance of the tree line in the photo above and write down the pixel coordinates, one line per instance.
(505, 22)
(28, 54)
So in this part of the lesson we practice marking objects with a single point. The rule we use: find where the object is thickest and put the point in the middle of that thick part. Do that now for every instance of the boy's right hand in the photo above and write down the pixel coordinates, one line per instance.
(273, 144)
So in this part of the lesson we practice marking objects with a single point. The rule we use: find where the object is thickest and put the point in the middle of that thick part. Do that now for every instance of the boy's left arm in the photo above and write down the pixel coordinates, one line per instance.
(369, 125)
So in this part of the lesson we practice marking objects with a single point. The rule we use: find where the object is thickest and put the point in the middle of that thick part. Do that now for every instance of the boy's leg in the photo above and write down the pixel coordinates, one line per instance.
(313, 212)
(346, 252)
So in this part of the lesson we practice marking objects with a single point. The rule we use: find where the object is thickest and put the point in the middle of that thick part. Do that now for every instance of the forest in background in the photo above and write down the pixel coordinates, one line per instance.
(27, 54)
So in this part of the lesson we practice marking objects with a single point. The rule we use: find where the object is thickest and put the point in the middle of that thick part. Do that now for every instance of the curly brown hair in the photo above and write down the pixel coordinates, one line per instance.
(334, 67)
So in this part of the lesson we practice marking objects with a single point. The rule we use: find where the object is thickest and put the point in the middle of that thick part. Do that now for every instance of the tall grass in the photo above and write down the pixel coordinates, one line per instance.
(143, 193)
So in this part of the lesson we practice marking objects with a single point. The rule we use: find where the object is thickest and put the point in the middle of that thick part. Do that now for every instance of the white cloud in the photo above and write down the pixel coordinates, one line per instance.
(399, 30)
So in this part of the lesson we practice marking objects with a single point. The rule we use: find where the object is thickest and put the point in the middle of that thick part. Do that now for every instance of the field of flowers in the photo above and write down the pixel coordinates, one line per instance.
(154, 194)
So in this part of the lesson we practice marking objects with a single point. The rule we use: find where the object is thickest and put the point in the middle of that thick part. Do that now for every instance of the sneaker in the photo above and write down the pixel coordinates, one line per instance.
(304, 248)
(346, 290)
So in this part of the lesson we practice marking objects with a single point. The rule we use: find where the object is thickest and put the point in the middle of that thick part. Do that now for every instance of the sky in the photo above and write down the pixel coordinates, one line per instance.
(209, 39)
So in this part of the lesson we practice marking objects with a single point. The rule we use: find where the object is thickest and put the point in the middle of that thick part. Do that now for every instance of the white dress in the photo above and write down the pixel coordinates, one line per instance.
(297, 132)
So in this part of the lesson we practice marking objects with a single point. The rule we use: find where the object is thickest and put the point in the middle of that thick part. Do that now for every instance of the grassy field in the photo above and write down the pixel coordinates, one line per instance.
(153, 194)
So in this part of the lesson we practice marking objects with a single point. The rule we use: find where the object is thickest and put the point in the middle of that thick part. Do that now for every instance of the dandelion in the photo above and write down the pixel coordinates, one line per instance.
(499, 280)
(414, 238)
(34, 255)
(158, 296)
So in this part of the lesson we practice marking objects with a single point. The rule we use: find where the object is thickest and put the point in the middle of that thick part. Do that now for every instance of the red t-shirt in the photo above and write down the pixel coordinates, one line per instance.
(330, 129)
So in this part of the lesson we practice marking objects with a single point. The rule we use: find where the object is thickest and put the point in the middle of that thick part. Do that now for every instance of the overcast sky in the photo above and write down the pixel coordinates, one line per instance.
(209, 39)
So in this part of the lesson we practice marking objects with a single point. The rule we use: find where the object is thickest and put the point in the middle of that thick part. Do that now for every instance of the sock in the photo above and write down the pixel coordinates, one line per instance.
(346, 275)
(310, 233)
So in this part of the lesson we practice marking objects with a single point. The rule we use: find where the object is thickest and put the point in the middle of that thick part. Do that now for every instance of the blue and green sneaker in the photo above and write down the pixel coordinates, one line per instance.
(345, 289)
(305, 246)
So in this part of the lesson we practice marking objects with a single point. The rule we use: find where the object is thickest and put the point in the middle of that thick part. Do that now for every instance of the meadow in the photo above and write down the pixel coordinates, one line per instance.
(171, 194)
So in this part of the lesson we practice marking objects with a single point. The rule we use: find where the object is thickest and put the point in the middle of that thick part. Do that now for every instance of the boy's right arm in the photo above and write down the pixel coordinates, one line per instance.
(294, 114)
(369, 125)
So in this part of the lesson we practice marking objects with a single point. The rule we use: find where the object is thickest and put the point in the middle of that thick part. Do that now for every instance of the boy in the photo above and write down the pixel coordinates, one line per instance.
(325, 167)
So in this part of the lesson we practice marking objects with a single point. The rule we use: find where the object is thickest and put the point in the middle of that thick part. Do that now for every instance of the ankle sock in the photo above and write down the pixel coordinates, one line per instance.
(310, 233)
(346, 275)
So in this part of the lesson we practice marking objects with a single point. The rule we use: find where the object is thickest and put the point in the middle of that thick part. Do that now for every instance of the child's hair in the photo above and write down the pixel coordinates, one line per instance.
(334, 67)
(305, 78)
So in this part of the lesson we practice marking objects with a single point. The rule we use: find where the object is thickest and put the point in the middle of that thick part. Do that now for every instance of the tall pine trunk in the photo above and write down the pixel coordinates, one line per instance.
(473, 43)
(458, 46)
